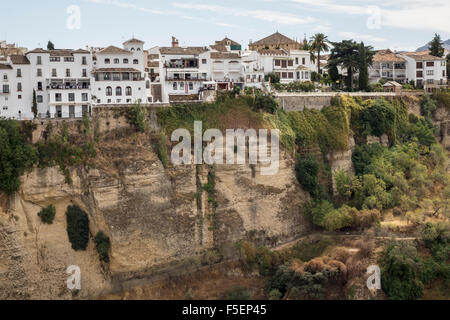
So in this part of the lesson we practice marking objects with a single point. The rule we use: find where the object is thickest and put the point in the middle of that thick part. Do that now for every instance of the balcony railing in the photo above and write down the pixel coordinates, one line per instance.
(191, 78)
(68, 86)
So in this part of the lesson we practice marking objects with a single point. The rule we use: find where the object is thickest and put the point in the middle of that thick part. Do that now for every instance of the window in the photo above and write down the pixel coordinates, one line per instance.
(84, 61)
(430, 64)
(443, 73)
(19, 97)
(125, 76)
(116, 76)
(290, 63)
(118, 91)
(283, 64)
(430, 81)
(191, 86)
(181, 85)
(38, 60)
(84, 73)
(39, 73)
(128, 91)
(108, 91)
(69, 59)
(55, 59)
(84, 97)
(175, 87)
(107, 61)
(39, 86)
(67, 72)
(138, 49)
(5, 88)
(54, 74)
(291, 75)
(203, 61)
(443, 63)
(277, 63)
(284, 75)
(19, 73)
(419, 65)
(39, 99)
(296, 60)
(430, 72)
(135, 61)
(107, 76)
(19, 86)
(125, 61)
(58, 97)
(116, 61)
(5, 77)
(419, 74)
(303, 61)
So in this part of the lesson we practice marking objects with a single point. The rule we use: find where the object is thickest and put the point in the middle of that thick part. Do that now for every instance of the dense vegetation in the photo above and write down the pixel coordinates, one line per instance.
(47, 215)
(102, 244)
(77, 228)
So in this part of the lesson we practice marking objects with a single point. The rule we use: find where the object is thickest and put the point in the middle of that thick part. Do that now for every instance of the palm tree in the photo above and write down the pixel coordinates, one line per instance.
(319, 43)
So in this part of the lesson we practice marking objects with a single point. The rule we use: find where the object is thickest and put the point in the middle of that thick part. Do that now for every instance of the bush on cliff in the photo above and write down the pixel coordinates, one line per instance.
(102, 243)
(77, 228)
(47, 215)
(16, 156)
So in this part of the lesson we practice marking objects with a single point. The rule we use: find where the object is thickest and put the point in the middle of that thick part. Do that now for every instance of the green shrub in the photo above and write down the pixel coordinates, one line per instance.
(161, 149)
(77, 228)
(265, 103)
(47, 215)
(16, 156)
(275, 294)
(377, 119)
(400, 272)
(363, 156)
(427, 107)
(138, 117)
(307, 172)
(102, 243)
(274, 78)
(238, 293)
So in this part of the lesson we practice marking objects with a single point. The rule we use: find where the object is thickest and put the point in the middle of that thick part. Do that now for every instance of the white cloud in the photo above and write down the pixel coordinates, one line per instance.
(360, 37)
(264, 15)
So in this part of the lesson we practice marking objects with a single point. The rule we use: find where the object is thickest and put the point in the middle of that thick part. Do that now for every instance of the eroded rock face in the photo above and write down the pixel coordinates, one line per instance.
(153, 216)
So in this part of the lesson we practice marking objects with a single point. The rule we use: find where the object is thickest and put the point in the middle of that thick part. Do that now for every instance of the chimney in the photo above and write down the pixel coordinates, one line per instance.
(174, 42)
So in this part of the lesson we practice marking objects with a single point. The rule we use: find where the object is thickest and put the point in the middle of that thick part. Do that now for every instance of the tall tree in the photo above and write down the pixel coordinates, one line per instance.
(437, 46)
(448, 66)
(319, 43)
(50, 45)
(34, 107)
(346, 55)
(363, 68)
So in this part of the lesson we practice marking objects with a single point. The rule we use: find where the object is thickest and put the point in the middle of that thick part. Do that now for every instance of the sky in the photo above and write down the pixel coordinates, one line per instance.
(398, 25)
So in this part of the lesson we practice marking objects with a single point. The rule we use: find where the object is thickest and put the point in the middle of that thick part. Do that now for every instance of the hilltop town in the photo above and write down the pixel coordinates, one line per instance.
(67, 83)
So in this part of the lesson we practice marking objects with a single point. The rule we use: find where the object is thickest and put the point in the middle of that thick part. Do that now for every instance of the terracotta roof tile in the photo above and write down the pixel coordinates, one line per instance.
(179, 50)
(134, 40)
(113, 50)
(272, 52)
(19, 59)
(224, 55)
(274, 39)
(387, 56)
(5, 67)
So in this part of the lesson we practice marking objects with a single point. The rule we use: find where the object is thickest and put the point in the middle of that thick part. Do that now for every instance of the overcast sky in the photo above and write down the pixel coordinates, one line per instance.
(399, 25)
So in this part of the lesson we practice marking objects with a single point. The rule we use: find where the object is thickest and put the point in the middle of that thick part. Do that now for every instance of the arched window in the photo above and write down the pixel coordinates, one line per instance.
(132, 49)
(118, 91)
(175, 87)
(116, 61)
(108, 91)
(128, 91)
(125, 61)
(107, 61)
(135, 61)
(138, 49)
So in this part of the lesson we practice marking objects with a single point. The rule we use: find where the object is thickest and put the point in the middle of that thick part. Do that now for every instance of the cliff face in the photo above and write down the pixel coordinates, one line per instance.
(153, 216)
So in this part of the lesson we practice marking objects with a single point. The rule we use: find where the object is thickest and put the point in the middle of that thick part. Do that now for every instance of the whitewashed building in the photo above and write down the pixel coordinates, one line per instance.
(119, 75)
(388, 66)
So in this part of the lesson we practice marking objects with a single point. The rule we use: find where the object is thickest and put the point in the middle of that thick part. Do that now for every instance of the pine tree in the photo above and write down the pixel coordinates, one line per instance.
(34, 108)
(50, 46)
(436, 46)
(363, 68)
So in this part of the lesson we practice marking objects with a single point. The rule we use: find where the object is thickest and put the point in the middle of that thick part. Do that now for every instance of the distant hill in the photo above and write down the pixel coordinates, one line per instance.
(427, 46)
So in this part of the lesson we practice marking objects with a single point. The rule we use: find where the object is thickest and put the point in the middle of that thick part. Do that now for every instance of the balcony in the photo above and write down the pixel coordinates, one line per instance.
(186, 78)
(73, 85)
(182, 64)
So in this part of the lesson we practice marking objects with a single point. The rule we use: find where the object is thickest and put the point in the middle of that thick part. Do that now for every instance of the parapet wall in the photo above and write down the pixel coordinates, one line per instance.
(300, 101)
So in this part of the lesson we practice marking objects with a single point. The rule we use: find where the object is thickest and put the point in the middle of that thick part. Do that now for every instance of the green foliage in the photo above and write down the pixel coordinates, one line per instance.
(265, 103)
(296, 86)
(442, 99)
(16, 156)
(427, 107)
(400, 272)
(47, 215)
(437, 46)
(363, 156)
(323, 214)
(138, 117)
(377, 119)
(238, 293)
(161, 149)
(274, 78)
(307, 172)
(275, 294)
(363, 69)
(102, 243)
(34, 106)
(77, 227)
(50, 45)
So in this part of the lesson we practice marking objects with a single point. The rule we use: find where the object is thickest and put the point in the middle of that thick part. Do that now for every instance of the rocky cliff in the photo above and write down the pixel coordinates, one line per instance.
(155, 217)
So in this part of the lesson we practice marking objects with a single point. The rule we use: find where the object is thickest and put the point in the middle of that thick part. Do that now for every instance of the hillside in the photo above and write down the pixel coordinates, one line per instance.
(446, 45)
(351, 177)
